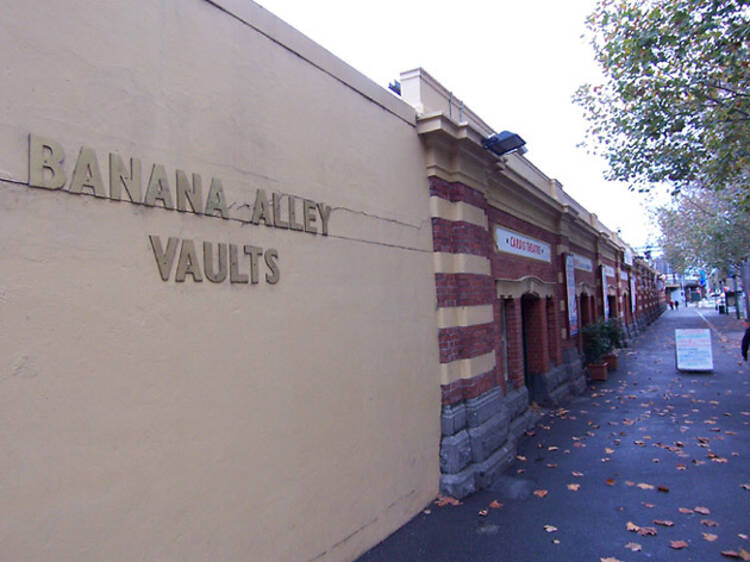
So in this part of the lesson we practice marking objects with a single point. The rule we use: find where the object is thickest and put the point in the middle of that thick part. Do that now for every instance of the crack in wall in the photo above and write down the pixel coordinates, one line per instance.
(239, 207)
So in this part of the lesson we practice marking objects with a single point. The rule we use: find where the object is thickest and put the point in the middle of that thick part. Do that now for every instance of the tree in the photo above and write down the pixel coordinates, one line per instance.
(675, 103)
(703, 229)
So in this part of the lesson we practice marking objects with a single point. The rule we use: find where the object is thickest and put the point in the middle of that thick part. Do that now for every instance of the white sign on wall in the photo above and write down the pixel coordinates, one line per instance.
(628, 256)
(623, 275)
(632, 295)
(583, 263)
(604, 292)
(520, 245)
(610, 270)
(693, 350)
(570, 285)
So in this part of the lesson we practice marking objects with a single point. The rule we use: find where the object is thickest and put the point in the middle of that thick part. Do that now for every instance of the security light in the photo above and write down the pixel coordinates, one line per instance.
(503, 143)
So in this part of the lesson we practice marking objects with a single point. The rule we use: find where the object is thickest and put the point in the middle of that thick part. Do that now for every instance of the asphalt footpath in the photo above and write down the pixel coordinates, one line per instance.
(651, 464)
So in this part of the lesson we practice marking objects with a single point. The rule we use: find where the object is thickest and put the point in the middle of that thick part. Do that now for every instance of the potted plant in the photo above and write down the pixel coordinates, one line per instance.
(596, 344)
(616, 335)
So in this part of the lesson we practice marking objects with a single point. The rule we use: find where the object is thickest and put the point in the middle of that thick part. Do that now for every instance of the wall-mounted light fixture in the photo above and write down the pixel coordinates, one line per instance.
(504, 142)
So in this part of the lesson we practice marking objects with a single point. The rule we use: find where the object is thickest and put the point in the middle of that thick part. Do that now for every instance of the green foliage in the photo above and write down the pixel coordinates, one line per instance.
(702, 229)
(596, 343)
(615, 332)
(675, 103)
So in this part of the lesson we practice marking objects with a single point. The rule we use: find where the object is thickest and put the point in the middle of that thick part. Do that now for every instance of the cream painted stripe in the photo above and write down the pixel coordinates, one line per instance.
(458, 211)
(461, 263)
(452, 316)
(466, 368)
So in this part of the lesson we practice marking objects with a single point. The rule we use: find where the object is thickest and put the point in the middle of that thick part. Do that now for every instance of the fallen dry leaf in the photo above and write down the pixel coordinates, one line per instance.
(741, 555)
(677, 545)
(576, 473)
(710, 537)
(709, 523)
(608, 450)
(745, 486)
(610, 481)
(552, 465)
(684, 510)
(663, 489)
(743, 536)
(664, 522)
(702, 510)
(552, 448)
(629, 483)
(483, 512)
(550, 528)
(442, 501)
(634, 546)
(630, 526)
(494, 504)
(520, 457)
(647, 531)
(540, 493)
(644, 486)
(609, 559)
(648, 505)
(574, 487)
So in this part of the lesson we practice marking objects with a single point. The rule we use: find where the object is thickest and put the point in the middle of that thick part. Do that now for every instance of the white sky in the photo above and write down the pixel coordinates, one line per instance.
(514, 63)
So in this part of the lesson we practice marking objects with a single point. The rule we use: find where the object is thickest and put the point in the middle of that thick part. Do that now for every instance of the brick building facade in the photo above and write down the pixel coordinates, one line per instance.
(508, 337)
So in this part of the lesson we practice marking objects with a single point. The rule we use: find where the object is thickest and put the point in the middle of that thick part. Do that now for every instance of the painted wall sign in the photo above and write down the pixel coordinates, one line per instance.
(628, 258)
(570, 286)
(280, 210)
(610, 270)
(514, 243)
(583, 263)
(623, 275)
(632, 295)
(693, 350)
(604, 292)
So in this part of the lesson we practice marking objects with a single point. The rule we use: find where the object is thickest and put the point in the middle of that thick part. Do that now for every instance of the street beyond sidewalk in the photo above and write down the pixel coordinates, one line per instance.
(650, 460)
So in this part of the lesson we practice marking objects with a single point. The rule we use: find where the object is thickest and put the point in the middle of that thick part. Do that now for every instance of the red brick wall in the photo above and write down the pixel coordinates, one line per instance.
(464, 342)
(464, 289)
(514, 326)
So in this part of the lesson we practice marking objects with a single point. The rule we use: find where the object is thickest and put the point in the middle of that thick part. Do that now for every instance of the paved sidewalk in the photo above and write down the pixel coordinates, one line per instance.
(634, 449)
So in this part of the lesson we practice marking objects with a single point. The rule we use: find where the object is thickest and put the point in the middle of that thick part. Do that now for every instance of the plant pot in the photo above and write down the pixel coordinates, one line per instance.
(611, 360)
(598, 371)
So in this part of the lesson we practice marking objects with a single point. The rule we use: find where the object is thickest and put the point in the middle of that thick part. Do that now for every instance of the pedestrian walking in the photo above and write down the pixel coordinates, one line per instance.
(746, 340)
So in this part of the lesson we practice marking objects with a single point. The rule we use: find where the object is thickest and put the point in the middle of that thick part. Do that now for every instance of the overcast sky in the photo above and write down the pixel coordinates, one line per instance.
(516, 64)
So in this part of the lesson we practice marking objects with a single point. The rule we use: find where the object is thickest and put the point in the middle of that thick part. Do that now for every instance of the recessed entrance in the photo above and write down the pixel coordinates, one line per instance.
(532, 314)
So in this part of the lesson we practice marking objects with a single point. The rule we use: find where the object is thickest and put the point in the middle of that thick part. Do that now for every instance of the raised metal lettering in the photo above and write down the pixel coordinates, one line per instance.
(188, 263)
(261, 209)
(254, 252)
(45, 154)
(158, 188)
(271, 256)
(216, 200)
(86, 174)
(189, 194)
(276, 197)
(208, 262)
(164, 260)
(118, 178)
(325, 214)
(309, 215)
(234, 266)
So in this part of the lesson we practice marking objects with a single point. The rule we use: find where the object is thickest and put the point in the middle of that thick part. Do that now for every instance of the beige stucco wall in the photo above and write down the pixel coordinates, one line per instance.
(143, 419)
